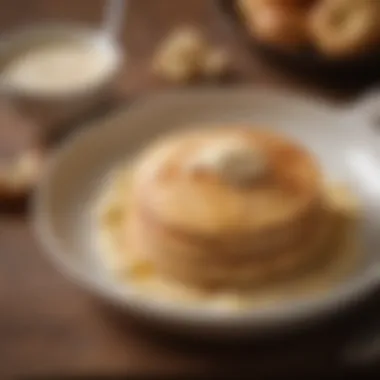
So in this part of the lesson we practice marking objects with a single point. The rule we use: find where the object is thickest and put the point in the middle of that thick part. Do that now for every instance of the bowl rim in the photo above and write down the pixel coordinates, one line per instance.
(345, 294)
(22, 36)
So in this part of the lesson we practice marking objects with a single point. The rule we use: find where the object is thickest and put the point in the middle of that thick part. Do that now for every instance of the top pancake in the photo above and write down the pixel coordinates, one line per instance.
(203, 205)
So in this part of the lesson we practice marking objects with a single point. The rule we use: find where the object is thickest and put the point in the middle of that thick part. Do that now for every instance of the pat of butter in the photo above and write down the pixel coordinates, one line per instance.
(232, 160)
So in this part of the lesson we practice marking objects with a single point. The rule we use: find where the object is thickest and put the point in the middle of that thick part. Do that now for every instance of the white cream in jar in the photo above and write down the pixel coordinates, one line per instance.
(59, 68)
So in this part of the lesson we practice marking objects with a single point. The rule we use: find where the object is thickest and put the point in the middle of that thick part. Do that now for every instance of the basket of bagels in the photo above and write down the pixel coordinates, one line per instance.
(337, 35)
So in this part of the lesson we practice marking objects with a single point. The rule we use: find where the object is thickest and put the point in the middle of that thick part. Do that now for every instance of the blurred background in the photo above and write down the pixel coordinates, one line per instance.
(47, 325)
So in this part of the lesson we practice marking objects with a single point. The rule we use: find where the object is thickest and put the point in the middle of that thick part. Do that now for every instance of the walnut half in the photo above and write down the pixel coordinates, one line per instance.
(185, 55)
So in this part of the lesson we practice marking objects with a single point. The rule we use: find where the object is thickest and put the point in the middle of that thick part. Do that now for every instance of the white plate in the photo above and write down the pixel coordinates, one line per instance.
(341, 138)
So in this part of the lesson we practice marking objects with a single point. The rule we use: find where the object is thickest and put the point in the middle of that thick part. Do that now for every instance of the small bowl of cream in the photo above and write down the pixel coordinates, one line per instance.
(58, 70)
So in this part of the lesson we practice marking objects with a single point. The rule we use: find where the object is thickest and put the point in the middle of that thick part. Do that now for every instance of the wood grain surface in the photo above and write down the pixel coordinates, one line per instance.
(48, 325)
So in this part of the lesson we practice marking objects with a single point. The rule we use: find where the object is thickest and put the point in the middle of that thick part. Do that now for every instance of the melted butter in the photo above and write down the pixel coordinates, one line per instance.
(343, 251)
(232, 160)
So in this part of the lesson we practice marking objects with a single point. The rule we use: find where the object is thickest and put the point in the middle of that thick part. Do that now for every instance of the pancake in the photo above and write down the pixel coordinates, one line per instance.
(227, 207)
(200, 205)
(185, 261)
(333, 259)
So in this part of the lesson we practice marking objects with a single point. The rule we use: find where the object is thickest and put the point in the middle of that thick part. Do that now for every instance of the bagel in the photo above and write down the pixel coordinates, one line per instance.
(286, 3)
(344, 28)
(276, 23)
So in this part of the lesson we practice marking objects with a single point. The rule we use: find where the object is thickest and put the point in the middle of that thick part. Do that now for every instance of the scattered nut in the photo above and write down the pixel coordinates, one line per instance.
(179, 56)
(216, 63)
(186, 55)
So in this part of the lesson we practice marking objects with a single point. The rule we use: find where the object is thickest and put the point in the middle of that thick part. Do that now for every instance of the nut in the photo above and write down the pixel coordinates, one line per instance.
(186, 55)
(179, 57)
(216, 63)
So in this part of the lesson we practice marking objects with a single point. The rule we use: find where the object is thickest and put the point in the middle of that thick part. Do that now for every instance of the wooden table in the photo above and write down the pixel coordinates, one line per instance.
(48, 325)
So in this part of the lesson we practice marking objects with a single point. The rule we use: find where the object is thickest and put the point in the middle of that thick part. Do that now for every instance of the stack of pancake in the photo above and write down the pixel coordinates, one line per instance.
(228, 207)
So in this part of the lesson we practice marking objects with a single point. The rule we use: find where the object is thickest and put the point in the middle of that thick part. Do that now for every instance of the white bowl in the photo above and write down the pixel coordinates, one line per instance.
(342, 139)
(59, 107)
